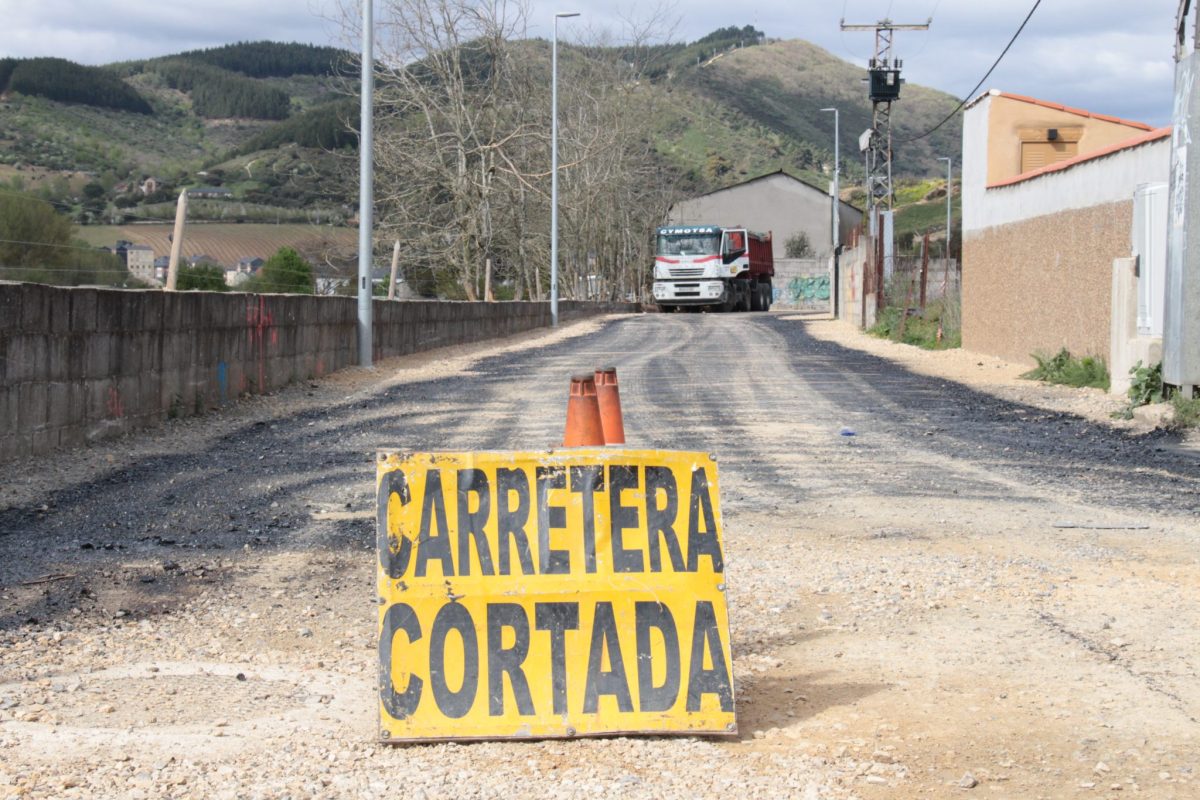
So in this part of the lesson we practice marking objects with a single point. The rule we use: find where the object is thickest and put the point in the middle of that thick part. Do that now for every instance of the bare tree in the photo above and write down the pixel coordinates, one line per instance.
(463, 152)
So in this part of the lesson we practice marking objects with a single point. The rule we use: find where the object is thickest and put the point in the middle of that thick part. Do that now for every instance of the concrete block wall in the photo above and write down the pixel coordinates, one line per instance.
(78, 365)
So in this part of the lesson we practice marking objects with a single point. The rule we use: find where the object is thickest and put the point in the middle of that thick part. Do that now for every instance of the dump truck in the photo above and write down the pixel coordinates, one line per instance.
(722, 268)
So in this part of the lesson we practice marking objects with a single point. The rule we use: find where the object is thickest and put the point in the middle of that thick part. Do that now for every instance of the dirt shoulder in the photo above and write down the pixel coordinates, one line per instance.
(995, 376)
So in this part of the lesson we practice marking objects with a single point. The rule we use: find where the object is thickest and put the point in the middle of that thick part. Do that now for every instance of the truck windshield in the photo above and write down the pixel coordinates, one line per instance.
(688, 244)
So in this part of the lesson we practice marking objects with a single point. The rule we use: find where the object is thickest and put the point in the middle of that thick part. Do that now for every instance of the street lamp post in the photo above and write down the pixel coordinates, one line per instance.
(366, 185)
(949, 190)
(554, 167)
(837, 194)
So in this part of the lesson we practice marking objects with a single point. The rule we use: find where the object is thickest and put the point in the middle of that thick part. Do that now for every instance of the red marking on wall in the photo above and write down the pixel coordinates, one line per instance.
(260, 320)
(115, 407)
(320, 367)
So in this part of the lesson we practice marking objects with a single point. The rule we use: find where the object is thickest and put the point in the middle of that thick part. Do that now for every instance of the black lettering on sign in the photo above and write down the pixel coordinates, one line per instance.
(394, 551)
(656, 616)
(622, 476)
(557, 618)
(400, 705)
(470, 523)
(586, 481)
(706, 639)
(599, 680)
(551, 562)
(702, 544)
(453, 617)
(511, 521)
(434, 545)
(502, 660)
(660, 520)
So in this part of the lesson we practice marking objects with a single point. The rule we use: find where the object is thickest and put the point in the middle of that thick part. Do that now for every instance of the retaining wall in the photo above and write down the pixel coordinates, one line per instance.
(78, 365)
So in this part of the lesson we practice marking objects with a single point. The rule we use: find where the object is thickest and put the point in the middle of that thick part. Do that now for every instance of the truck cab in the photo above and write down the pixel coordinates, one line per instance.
(726, 268)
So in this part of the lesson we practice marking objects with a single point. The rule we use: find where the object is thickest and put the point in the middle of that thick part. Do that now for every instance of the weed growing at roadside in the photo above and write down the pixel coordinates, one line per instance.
(1187, 412)
(1065, 369)
(919, 330)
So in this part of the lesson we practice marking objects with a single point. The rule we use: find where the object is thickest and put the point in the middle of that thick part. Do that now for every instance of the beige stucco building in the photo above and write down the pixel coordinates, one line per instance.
(1048, 201)
(777, 202)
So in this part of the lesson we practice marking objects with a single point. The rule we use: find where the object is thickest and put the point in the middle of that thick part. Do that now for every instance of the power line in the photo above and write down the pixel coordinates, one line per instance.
(995, 64)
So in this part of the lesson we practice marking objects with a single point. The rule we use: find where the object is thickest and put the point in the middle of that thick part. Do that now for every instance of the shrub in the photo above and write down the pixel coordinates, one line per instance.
(1065, 369)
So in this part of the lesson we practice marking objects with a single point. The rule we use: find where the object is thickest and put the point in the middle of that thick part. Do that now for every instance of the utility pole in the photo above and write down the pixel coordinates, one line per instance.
(949, 191)
(395, 270)
(837, 189)
(884, 83)
(1181, 307)
(177, 241)
(366, 186)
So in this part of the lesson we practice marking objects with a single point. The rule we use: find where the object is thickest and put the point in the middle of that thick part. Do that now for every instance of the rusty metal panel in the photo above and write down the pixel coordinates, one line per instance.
(551, 594)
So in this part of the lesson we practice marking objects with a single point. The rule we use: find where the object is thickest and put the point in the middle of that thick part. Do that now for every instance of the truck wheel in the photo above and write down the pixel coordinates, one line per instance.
(667, 309)
(756, 298)
(768, 296)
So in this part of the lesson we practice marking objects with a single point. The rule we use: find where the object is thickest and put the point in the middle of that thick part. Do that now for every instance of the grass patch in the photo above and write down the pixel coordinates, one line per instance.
(1187, 412)
(932, 330)
(1065, 369)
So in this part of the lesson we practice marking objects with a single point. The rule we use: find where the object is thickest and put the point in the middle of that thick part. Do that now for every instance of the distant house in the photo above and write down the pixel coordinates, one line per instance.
(161, 265)
(202, 260)
(1052, 197)
(249, 265)
(236, 277)
(149, 186)
(137, 258)
(775, 202)
(209, 193)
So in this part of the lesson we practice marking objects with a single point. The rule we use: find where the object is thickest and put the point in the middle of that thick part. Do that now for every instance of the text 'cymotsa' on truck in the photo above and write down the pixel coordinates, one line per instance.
(727, 269)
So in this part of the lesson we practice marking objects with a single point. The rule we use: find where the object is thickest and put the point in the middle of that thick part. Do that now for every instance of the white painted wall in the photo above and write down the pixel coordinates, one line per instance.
(974, 162)
(1107, 179)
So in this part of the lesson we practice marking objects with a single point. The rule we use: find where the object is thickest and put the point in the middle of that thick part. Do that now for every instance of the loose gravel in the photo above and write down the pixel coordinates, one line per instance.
(939, 583)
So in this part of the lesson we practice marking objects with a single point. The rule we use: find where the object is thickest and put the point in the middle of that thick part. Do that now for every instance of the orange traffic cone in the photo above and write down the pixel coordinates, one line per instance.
(583, 414)
(608, 396)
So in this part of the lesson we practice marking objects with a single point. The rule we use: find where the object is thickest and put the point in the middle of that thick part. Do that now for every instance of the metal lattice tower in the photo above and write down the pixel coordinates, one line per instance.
(884, 82)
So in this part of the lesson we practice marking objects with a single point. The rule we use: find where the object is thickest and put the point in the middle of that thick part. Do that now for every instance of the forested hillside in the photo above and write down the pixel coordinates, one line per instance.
(68, 82)
(218, 93)
(271, 59)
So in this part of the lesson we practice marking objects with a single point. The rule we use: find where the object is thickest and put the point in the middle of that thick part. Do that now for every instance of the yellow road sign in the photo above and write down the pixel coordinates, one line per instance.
(567, 593)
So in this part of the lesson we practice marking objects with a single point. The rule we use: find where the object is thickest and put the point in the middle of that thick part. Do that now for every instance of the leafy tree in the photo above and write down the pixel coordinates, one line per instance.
(202, 277)
(286, 272)
(36, 246)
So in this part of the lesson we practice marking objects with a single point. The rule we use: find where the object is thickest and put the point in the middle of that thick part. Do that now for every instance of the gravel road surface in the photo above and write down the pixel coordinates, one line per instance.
(970, 595)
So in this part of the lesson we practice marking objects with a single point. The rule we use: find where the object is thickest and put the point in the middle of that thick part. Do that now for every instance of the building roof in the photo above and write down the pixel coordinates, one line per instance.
(1079, 112)
(1140, 139)
(782, 172)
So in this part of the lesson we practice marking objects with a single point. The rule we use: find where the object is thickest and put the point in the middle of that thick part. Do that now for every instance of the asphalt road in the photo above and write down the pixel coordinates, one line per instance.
(908, 613)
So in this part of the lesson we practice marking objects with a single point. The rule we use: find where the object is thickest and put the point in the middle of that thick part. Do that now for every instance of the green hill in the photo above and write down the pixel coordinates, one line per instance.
(266, 122)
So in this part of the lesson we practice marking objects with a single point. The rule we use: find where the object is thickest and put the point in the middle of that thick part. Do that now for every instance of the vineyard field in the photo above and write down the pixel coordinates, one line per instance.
(224, 243)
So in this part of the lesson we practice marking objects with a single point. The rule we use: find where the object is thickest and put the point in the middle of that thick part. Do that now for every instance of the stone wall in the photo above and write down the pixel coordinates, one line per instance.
(78, 365)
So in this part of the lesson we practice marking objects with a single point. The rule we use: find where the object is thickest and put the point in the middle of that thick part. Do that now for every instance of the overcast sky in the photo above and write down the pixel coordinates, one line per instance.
(1107, 56)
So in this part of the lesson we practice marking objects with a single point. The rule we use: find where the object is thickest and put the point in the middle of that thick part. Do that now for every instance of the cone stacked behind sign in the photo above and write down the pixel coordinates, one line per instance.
(583, 414)
(594, 410)
(609, 398)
